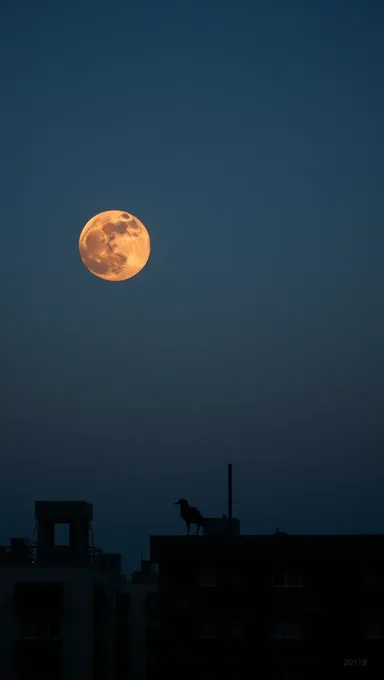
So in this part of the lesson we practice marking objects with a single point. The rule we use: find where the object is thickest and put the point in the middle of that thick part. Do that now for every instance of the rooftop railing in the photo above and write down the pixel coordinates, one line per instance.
(61, 554)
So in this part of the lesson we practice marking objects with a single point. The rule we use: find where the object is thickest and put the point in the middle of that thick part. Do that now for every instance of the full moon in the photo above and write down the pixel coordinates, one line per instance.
(114, 245)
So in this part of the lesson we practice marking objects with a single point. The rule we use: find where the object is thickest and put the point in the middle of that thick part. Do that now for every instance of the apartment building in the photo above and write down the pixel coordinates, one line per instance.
(143, 586)
(279, 606)
(64, 610)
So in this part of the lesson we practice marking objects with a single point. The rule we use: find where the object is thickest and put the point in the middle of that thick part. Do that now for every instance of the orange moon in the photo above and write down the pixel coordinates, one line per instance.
(114, 245)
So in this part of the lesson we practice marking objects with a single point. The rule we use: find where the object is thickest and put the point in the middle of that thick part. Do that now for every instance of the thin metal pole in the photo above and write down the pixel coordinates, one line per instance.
(230, 497)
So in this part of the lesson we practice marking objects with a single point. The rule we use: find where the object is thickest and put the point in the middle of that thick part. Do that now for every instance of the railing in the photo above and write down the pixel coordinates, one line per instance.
(61, 554)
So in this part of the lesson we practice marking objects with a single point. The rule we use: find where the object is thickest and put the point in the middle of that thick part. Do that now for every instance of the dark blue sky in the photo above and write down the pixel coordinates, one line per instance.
(248, 137)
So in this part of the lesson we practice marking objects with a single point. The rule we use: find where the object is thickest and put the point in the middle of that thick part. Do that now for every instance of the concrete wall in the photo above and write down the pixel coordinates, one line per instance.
(77, 622)
(138, 624)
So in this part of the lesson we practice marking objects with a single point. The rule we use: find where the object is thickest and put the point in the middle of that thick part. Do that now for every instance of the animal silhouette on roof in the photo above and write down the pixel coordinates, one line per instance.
(190, 515)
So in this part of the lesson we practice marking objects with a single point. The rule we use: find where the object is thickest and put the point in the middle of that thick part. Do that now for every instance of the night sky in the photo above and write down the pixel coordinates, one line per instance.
(248, 138)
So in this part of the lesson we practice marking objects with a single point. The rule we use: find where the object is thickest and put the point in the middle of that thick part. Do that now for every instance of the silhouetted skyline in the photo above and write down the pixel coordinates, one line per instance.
(248, 138)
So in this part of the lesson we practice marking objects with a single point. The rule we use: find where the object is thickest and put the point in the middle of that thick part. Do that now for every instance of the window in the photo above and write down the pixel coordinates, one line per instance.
(183, 601)
(288, 630)
(236, 577)
(28, 629)
(208, 630)
(371, 580)
(167, 632)
(374, 630)
(288, 578)
(207, 577)
(40, 629)
(236, 629)
(181, 650)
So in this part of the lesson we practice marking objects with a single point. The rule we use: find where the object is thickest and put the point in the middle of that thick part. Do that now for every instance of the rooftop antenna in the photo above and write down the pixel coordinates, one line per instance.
(229, 498)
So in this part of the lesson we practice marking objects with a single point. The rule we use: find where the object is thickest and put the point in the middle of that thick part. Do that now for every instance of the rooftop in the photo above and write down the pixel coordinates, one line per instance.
(268, 547)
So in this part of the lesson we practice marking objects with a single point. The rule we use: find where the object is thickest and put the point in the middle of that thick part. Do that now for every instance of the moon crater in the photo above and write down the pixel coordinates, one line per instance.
(114, 245)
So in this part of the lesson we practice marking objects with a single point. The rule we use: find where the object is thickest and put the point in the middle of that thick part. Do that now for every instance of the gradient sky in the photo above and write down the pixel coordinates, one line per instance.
(248, 137)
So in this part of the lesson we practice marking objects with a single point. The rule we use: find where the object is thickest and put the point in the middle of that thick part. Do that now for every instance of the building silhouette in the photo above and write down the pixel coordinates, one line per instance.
(64, 609)
(217, 605)
(279, 606)
(143, 586)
